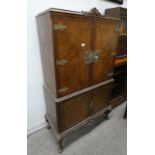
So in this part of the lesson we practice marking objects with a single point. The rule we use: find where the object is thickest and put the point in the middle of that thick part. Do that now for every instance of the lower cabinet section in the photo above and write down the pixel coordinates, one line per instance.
(78, 108)
(67, 114)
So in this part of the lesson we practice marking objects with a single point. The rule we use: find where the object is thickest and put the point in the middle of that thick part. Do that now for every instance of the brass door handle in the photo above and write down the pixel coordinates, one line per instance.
(96, 56)
(88, 57)
(91, 56)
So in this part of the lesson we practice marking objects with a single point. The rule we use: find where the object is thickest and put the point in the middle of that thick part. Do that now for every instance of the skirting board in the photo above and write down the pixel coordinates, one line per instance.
(37, 126)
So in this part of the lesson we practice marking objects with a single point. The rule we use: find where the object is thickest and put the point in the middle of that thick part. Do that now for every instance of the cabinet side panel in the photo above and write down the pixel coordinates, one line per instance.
(44, 25)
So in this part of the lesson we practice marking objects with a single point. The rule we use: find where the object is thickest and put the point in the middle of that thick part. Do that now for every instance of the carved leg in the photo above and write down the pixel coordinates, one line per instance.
(60, 146)
(106, 115)
(48, 125)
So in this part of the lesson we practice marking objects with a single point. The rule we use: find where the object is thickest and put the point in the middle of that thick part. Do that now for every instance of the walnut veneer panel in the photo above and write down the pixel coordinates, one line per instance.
(106, 44)
(73, 111)
(101, 98)
(74, 75)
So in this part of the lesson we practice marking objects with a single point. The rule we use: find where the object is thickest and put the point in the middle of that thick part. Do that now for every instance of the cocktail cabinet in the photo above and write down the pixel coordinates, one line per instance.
(77, 51)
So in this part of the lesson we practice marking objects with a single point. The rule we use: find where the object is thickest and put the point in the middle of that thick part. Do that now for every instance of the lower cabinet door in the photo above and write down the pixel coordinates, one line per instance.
(101, 97)
(73, 110)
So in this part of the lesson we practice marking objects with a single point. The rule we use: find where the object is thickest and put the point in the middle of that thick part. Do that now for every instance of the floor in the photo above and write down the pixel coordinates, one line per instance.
(107, 137)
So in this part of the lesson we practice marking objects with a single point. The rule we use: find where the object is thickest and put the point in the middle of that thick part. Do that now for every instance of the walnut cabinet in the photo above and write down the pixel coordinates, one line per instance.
(77, 52)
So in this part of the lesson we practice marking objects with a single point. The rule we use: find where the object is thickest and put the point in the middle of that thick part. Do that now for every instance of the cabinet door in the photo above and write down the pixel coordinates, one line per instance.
(73, 111)
(101, 97)
(72, 40)
(105, 45)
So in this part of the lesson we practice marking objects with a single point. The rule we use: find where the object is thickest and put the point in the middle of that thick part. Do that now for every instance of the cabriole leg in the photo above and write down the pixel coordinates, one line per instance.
(48, 125)
(60, 146)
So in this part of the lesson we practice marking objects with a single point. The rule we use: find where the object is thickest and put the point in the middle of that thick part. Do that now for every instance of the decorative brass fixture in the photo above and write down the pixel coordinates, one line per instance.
(62, 90)
(91, 56)
(60, 27)
(61, 62)
(88, 57)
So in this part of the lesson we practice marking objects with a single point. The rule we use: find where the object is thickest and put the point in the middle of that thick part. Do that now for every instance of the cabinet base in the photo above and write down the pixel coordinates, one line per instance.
(89, 121)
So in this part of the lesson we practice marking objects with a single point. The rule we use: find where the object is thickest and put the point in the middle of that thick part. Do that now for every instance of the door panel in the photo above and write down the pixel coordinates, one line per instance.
(72, 40)
(74, 111)
(106, 44)
(101, 98)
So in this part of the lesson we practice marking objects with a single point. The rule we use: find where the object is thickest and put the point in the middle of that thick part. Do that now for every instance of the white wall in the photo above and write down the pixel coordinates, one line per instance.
(36, 103)
(104, 4)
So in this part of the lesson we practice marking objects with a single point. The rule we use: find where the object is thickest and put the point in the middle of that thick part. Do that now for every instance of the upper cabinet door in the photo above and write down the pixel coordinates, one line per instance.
(72, 43)
(105, 48)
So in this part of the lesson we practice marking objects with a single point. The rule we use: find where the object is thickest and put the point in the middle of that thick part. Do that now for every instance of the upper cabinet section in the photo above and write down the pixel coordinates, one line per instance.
(81, 49)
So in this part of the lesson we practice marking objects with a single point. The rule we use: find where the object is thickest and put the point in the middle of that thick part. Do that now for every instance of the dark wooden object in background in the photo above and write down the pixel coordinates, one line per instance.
(125, 113)
(120, 13)
(119, 93)
(77, 53)
(117, 1)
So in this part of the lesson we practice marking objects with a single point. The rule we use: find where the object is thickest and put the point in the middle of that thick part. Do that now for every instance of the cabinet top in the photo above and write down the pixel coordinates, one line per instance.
(60, 10)
(93, 12)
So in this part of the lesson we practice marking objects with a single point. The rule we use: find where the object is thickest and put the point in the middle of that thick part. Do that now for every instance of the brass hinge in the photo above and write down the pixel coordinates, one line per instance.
(110, 74)
(60, 27)
(61, 62)
(117, 30)
(62, 90)
(113, 54)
